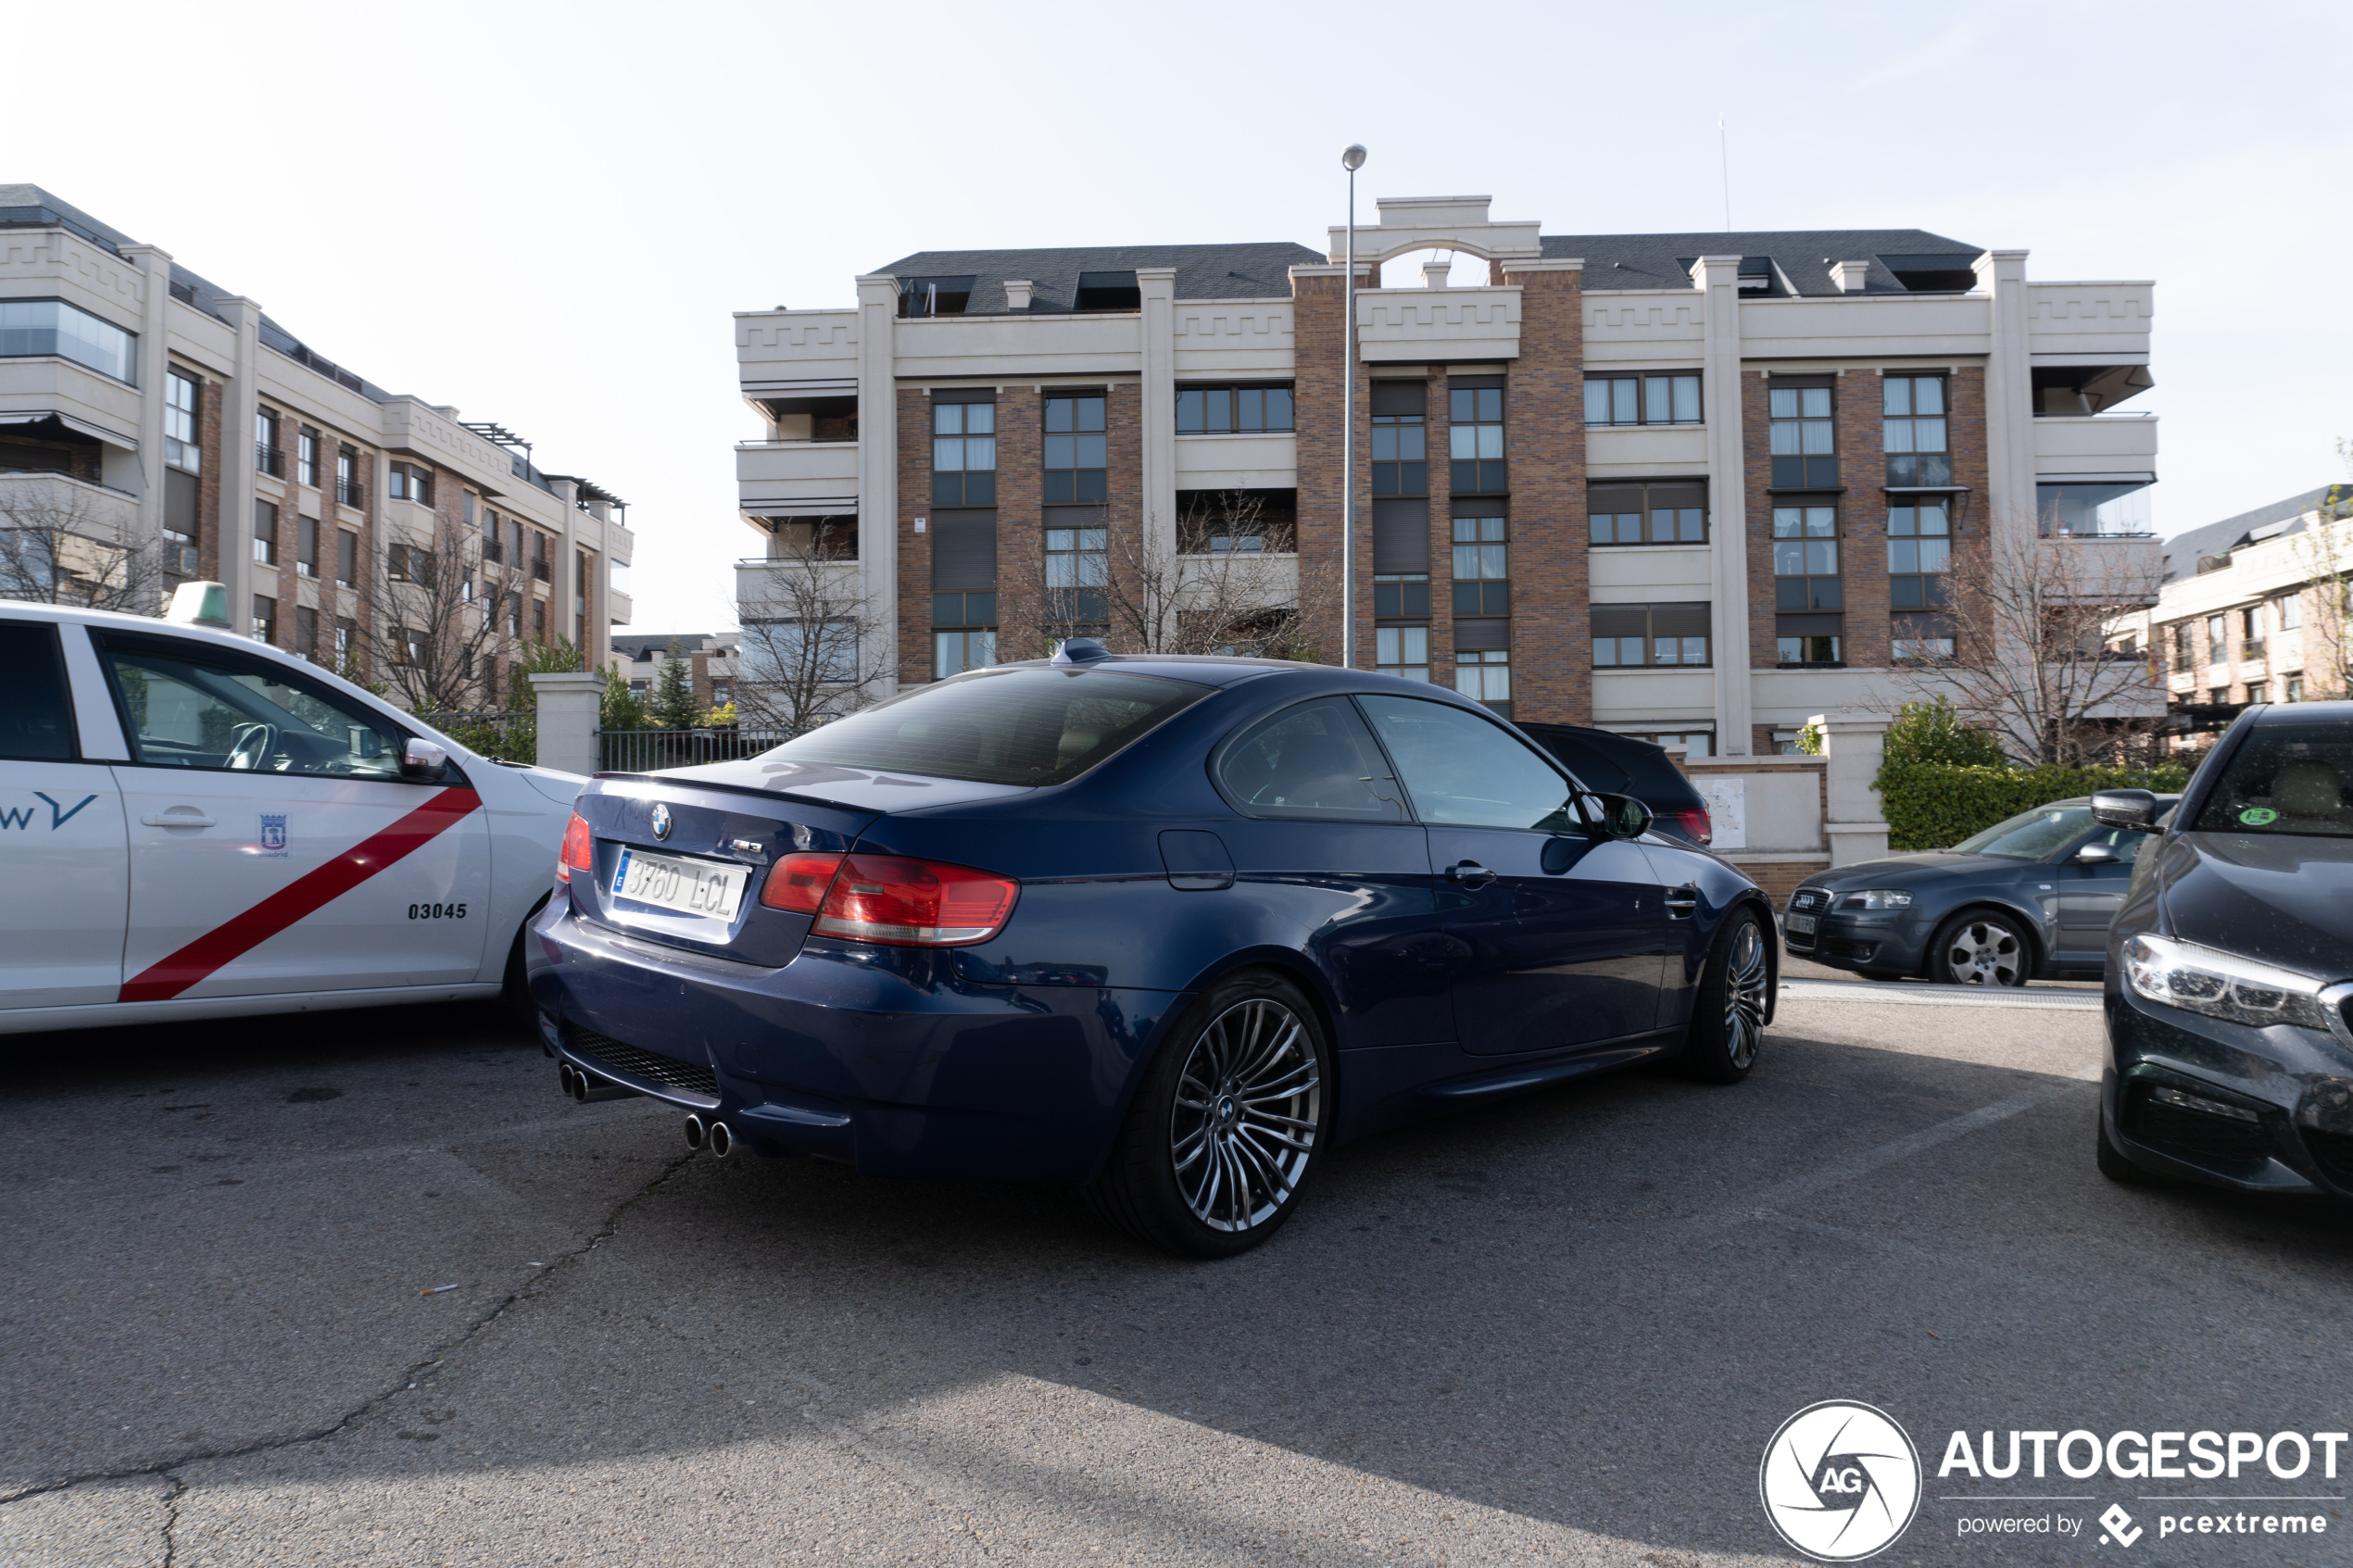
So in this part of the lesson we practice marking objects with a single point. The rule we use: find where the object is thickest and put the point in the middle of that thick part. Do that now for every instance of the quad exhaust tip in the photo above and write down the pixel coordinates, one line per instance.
(722, 1142)
(565, 1074)
(697, 1134)
(586, 1087)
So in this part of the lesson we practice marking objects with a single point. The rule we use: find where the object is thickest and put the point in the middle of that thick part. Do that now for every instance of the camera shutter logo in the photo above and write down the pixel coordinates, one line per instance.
(1840, 1481)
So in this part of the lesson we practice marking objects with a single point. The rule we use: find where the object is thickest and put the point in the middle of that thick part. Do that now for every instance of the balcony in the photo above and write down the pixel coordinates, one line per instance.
(270, 459)
(2093, 448)
(351, 492)
(794, 473)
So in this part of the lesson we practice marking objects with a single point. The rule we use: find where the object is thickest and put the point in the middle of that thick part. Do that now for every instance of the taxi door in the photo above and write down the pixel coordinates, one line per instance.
(61, 836)
(274, 846)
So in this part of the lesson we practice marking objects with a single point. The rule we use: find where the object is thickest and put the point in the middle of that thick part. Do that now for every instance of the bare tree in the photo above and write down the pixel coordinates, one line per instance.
(2323, 553)
(56, 549)
(813, 640)
(2029, 660)
(435, 622)
(1232, 582)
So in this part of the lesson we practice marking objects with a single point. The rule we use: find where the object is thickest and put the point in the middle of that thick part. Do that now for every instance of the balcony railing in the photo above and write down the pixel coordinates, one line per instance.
(270, 459)
(351, 492)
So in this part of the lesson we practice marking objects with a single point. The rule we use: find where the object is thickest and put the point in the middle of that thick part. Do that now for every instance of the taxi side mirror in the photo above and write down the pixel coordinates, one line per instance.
(2133, 808)
(423, 762)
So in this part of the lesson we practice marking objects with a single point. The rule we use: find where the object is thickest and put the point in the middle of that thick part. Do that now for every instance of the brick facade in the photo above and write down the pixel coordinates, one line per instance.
(1021, 522)
(914, 549)
(1862, 518)
(1441, 531)
(1318, 321)
(211, 398)
(1551, 616)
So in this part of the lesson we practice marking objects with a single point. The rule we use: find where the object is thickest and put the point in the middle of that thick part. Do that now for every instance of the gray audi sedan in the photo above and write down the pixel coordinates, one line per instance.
(2030, 899)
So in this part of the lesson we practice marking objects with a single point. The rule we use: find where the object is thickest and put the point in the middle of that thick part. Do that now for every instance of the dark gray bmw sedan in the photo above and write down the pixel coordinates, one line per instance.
(2030, 899)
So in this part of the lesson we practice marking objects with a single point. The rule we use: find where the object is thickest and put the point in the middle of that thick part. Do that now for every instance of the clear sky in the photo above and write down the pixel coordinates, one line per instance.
(545, 213)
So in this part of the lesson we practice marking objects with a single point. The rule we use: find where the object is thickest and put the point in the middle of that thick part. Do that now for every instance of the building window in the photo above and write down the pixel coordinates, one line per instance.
(31, 327)
(2258, 691)
(954, 652)
(2251, 639)
(1695, 742)
(2103, 511)
(1918, 449)
(1628, 635)
(1404, 597)
(345, 629)
(1077, 571)
(964, 454)
(1482, 567)
(935, 297)
(1485, 676)
(267, 454)
(1401, 433)
(539, 556)
(1805, 558)
(265, 618)
(1107, 291)
(1401, 651)
(347, 490)
(306, 632)
(2295, 688)
(493, 548)
(1077, 450)
(1807, 639)
(1475, 440)
(2291, 612)
(2184, 658)
(180, 447)
(346, 558)
(307, 457)
(1642, 400)
(466, 506)
(407, 563)
(1212, 410)
(538, 620)
(2218, 695)
(410, 482)
(1919, 544)
(2218, 640)
(1665, 513)
(306, 546)
(265, 533)
(1803, 441)
(722, 693)
(1920, 639)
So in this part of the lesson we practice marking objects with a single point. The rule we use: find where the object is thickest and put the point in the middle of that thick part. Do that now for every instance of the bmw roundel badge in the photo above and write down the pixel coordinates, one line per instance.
(661, 821)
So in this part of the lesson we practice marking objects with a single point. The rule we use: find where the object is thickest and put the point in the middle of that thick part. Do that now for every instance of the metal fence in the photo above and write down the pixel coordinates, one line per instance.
(649, 751)
(512, 736)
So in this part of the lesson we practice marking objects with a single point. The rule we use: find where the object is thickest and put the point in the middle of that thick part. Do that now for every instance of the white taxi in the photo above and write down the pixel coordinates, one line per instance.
(195, 826)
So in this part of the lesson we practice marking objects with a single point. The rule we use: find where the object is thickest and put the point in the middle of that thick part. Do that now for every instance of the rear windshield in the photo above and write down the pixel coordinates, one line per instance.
(1650, 772)
(2286, 778)
(1009, 727)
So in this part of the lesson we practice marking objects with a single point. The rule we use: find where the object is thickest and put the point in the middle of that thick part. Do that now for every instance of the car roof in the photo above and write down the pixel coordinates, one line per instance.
(2303, 713)
(1225, 670)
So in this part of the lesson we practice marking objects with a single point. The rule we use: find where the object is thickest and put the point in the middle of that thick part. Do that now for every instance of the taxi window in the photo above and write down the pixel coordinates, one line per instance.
(36, 717)
(189, 705)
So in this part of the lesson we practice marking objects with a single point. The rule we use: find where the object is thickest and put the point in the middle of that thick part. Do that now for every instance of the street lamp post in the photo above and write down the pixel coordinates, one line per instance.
(1352, 159)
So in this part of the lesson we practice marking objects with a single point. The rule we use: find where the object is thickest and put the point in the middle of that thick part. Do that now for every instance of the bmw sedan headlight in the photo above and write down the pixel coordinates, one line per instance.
(2221, 985)
(1878, 899)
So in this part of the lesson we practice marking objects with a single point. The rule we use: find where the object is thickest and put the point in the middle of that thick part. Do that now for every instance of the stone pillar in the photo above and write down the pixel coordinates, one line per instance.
(570, 702)
(237, 492)
(1718, 277)
(1158, 285)
(2009, 400)
(1855, 824)
(155, 359)
(878, 520)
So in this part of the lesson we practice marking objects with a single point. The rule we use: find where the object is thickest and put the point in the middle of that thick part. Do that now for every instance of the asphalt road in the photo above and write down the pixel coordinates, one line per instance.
(1560, 1330)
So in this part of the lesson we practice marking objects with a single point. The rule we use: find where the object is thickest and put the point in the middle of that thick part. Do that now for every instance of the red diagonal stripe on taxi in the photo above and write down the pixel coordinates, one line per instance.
(307, 895)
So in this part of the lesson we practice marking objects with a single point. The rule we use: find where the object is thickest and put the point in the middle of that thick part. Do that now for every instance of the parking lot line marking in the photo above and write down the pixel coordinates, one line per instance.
(1937, 996)
(307, 895)
(1862, 1164)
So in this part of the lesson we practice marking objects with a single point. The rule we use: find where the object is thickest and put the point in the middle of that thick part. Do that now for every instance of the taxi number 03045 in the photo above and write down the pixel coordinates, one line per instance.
(436, 912)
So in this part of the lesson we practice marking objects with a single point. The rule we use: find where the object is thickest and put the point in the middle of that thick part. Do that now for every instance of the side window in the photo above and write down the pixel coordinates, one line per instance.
(1315, 759)
(1469, 772)
(2124, 841)
(36, 709)
(188, 705)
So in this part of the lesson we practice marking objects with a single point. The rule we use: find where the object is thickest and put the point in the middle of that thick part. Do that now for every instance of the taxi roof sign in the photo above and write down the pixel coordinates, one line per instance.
(200, 604)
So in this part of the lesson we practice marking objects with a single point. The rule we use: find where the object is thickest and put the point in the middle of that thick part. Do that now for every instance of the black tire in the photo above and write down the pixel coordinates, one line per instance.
(1727, 1029)
(2118, 1166)
(1215, 1171)
(1980, 947)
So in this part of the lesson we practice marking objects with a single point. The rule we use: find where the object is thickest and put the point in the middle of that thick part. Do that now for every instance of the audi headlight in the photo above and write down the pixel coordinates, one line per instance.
(2220, 984)
(1879, 898)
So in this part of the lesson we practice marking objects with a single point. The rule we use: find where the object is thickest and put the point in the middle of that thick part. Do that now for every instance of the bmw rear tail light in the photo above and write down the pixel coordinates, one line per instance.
(578, 854)
(909, 903)
(797, 883)
(1693, 820)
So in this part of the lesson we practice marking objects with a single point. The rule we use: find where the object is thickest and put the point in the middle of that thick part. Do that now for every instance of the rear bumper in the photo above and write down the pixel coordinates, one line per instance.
(886, 1058)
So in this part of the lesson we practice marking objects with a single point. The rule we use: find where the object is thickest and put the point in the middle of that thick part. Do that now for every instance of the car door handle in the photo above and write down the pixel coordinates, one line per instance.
(1470, 873)
(1682, 902)
(169, 819)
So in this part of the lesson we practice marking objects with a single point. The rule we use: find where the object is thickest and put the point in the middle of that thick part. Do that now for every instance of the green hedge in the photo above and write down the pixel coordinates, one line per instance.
(1935, 805)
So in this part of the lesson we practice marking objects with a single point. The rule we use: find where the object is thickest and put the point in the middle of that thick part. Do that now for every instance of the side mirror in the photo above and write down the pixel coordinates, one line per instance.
(2095, 855)
(2133, 808)
(424, 762)
(1622, 816)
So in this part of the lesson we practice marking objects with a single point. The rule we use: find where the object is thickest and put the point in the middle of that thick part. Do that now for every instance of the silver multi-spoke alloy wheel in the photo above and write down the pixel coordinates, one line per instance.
(1983, 951)
(1248, 1102)
(1746, 976)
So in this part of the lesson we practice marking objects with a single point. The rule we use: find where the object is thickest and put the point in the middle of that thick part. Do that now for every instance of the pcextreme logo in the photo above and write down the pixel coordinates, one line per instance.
(1840, 1481)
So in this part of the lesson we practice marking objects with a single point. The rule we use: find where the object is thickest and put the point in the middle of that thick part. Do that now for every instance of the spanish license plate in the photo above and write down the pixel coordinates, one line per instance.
(1802, 926)
(694, 888)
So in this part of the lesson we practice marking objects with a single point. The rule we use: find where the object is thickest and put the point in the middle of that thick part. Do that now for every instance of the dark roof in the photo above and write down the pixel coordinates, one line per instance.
(1231, 271)
(1802, 257)
(644, 645)
(2183, 550)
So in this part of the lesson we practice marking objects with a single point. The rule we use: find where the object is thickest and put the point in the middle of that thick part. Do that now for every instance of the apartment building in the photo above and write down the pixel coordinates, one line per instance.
(713, 664)
(2252, 610)
(164, 415)
(1697, 487)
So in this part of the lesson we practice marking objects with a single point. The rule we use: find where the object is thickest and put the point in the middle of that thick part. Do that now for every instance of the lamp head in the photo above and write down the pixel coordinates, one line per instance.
(1353, 159)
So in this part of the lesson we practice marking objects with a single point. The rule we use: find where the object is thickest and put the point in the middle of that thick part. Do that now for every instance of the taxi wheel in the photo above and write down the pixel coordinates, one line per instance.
(514, 989)
(1227, 1125)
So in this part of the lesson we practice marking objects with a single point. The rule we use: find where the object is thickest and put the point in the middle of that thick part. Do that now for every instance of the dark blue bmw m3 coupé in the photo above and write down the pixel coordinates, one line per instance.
(1167, 927)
